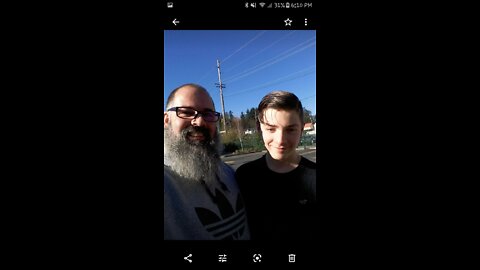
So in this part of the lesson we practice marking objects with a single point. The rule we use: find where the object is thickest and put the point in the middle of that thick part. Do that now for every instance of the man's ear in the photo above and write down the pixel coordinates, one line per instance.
(166, 120)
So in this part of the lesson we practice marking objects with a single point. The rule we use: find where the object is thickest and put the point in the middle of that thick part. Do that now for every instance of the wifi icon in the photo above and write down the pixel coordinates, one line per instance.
(262, 4)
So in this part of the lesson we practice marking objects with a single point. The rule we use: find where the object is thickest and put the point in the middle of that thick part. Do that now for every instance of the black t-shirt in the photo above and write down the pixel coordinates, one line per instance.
(280, 206)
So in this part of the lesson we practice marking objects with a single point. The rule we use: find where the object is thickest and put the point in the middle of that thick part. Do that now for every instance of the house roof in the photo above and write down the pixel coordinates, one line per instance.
(308, 126)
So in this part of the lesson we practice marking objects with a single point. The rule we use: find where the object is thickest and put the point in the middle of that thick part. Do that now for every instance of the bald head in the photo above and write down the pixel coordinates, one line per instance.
(190, 93)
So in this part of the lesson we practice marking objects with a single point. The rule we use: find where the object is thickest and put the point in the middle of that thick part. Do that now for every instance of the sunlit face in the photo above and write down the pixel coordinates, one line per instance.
(281, 132)
(196, 99)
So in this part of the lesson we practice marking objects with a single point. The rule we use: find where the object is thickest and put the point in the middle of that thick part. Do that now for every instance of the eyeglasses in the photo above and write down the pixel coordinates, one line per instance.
(189, 113)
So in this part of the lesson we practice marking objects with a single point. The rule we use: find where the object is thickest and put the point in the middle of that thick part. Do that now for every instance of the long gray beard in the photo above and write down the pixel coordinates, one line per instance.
(192, 161)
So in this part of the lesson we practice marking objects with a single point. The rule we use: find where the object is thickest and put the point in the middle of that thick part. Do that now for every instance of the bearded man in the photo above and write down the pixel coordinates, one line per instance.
(201, 196)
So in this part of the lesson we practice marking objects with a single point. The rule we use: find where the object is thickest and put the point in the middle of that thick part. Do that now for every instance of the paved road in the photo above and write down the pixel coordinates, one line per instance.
(237, 160)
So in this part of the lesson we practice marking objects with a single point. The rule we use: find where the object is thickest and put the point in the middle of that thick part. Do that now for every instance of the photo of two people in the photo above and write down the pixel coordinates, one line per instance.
(240, 135)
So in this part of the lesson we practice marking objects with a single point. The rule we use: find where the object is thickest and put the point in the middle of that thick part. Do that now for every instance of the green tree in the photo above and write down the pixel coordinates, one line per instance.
(243, 120)
(307, 116)
(251, 115)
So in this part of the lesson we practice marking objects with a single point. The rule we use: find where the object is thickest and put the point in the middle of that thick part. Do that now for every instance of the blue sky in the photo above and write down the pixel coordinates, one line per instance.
(252, 63)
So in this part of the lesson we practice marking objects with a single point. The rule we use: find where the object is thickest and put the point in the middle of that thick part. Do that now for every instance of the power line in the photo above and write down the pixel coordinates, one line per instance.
(260, 51)
(244, 45)
(308, 97)
(272, 60)
(235, 52)
(291, 77)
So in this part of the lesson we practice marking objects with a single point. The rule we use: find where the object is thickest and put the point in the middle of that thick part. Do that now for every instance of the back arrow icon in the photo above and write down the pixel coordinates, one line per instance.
(175, 21)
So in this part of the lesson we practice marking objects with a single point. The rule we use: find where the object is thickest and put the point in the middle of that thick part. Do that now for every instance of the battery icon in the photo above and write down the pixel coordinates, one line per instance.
(288, 5)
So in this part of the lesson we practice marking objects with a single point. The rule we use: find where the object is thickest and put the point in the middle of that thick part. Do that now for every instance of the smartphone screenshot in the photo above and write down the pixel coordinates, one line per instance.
(240, 90)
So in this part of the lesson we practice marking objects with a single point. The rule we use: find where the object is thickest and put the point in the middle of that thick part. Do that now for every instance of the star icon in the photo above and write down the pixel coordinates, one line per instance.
(288, 22)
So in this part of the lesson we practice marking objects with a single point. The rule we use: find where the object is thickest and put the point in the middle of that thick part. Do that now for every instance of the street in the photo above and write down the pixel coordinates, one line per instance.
(236, 160)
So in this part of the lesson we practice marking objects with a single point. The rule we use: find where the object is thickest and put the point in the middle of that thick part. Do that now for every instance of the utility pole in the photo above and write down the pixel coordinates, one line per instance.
(220, 85)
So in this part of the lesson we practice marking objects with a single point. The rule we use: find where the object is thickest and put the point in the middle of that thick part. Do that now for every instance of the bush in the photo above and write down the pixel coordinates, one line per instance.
(229, 148)
(230, 142)
(253, 142)
(250, 142)
(308, 140)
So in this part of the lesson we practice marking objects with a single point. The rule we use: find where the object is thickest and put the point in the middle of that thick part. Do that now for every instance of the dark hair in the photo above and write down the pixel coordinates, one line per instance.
(280, 100)
(171, 97)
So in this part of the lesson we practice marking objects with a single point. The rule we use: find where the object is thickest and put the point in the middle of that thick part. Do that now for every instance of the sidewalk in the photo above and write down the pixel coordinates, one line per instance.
(233, 154)
(264, 151)
(306, 148)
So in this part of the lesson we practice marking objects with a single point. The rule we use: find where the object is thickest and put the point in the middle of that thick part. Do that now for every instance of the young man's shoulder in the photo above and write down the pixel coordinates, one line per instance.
(305, 162)
(251, 165)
